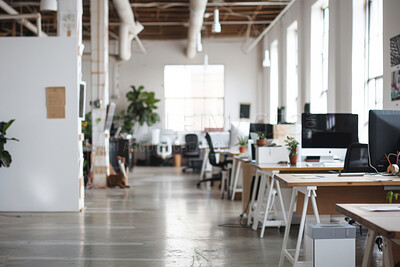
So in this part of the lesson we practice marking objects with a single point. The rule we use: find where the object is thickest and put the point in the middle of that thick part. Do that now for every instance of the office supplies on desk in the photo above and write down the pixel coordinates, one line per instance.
(351, 174)
(382, 208)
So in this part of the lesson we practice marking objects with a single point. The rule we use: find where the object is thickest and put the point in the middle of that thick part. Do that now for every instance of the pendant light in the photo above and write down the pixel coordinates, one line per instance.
(216, 26)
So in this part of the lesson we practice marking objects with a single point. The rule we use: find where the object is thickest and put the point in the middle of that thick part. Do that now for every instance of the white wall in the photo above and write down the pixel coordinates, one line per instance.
(340, 65)
(44, 172)
(391, 21)
(242, 71)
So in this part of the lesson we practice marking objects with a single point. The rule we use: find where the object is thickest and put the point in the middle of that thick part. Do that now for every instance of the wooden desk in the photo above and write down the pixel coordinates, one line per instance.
(378, 222)
(308, 184)
(270, 170)
(300, 167)
(278, 168)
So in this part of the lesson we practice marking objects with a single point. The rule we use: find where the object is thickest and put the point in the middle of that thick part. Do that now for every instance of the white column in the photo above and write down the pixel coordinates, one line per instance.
(100, 91)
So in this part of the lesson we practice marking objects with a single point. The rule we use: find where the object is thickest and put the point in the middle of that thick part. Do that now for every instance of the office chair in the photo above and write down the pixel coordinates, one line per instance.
(213, 161)
(164, 149)
(357, 159)
(192, 152)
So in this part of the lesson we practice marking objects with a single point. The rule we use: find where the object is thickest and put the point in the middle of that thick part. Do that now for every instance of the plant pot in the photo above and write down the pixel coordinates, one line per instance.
(261, 142)
(242, 149)
(293, 159)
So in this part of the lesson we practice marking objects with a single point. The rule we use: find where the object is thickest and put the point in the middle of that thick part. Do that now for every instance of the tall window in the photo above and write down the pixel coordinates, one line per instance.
(373, 98)
(274, 84)
(319, 56)
(292, 90)
(194, 97)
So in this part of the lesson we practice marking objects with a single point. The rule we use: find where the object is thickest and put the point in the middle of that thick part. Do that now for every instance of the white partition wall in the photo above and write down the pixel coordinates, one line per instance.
(44, 172)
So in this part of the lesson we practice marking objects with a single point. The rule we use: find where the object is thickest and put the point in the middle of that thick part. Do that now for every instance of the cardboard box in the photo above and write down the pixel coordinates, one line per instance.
(55, 102)
(271, 155)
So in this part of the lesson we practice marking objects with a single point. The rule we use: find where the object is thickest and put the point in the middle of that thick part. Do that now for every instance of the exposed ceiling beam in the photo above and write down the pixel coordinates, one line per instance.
(185, 24)
(255, 42)
(167, 5)
(27, 24)
(211, 4)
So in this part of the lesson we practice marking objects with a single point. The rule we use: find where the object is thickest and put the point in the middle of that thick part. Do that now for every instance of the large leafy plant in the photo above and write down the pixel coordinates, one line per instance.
(5, 157)
(141, 109)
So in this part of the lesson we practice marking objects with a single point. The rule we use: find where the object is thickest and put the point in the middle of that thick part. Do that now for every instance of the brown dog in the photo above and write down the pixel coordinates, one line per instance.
(120, 178)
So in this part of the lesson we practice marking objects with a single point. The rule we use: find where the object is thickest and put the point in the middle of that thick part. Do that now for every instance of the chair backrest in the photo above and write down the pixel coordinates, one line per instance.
(220, 139)
(211, 155)
(357, 159)
(164, 148)
(192, 143)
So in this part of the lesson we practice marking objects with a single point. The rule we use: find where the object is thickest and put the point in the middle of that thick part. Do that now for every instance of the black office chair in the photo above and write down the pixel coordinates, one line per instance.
(357, 159)
(192, 152)
(213, 161)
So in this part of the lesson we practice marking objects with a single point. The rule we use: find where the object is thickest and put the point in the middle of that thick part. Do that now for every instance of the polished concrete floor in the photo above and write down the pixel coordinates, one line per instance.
(162, 220)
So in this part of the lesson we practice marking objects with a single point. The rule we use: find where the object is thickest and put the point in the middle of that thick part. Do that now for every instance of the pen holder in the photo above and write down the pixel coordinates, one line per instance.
(393, 169)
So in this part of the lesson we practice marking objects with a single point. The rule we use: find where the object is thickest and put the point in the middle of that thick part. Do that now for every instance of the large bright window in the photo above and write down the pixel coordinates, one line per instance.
(319, 56)
(292, 90)
(368, 89)
(194, 97)
(274, 84)
(373, 98)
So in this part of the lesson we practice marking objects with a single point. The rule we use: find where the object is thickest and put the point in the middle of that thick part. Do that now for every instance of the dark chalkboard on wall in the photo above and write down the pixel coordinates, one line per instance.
(244, 111)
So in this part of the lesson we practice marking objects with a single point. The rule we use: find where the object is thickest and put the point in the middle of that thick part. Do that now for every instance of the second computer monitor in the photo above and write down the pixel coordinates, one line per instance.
(265, 128)
(328, 135)
(383, 137)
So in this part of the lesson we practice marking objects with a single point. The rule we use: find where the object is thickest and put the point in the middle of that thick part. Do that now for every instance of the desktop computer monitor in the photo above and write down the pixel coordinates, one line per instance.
(262, 127)
(325, 137)
(383, 137)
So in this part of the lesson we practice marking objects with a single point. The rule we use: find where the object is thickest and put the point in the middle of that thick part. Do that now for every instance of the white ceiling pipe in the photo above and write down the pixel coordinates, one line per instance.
(266, 30)
(128, 28)
(50, 5)
(197, 10)
(27, 24)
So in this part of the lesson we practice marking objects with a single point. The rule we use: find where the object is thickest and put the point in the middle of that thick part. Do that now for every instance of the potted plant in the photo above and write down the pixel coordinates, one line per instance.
(291, 144)
(262, 139)
(242, 144)
(141, 109)
(390, 195)
(5, 157)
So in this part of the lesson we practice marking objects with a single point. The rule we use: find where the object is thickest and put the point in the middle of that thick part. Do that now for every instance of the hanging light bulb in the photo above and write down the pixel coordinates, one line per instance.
(199, 45)
(50, 5)
(216, 27)
(266, 62)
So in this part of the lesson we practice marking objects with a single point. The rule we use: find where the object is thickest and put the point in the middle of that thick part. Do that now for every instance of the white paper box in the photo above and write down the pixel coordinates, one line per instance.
(271, 154)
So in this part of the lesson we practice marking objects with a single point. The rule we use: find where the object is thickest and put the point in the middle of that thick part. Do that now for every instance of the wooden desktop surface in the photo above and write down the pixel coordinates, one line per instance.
(333, 179)
(332, 189)
(386, 223)
(299, 167)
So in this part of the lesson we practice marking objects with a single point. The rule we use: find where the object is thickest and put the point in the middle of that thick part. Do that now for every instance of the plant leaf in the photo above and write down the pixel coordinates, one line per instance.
(5, 159)
(7, 125)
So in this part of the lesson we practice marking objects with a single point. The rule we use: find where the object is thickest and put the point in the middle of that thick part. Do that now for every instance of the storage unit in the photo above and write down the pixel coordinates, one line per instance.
(331, 245)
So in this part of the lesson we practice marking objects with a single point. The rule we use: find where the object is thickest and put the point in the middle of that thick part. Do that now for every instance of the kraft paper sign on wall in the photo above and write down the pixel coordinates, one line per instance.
(55, 102)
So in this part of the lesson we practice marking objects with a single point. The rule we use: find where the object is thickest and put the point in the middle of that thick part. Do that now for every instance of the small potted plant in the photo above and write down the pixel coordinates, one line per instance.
(291, 144)
(262, 139)
(242, 144)
(390, 195)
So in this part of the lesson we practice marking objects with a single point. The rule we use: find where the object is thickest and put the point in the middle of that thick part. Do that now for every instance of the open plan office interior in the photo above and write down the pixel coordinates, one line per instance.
(200, 133)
